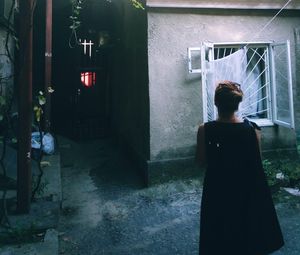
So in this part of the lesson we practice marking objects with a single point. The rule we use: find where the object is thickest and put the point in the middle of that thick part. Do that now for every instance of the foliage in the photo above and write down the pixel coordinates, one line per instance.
(76, 9)
(39, 104)
(77, 6)
(283, 172)
(38, 186)
(270, 170)
(292, 171)
(137, 4)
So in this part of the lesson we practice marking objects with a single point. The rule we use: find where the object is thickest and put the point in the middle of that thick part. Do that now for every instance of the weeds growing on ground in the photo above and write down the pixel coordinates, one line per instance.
(283, 172)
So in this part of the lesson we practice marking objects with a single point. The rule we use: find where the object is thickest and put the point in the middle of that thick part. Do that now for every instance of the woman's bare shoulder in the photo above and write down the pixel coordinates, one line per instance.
(201, 126)
(201, 130)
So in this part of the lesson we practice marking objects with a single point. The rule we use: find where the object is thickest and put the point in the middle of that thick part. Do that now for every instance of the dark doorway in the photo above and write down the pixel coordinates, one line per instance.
(82, 69)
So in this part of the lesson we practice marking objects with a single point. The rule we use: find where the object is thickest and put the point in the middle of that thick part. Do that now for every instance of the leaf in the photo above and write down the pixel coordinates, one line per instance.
(45, 163)
(137, 4)
(38, 113)
(42, 100)
(50, 90)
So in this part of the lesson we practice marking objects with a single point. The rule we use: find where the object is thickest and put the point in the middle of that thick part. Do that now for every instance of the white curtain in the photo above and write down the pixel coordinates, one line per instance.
(235, 67)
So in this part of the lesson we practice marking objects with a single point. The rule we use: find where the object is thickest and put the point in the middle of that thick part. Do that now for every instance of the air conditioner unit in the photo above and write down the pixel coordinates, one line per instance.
(5, 7)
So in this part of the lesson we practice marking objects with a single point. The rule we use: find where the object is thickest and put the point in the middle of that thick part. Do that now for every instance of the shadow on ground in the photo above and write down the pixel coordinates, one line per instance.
(107, 209)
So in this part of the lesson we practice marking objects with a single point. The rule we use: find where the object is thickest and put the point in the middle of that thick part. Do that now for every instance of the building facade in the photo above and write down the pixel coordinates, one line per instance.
(175, 95)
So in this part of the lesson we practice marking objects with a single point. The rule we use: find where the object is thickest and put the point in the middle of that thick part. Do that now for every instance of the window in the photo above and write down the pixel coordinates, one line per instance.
(263, 70)
(88, 79)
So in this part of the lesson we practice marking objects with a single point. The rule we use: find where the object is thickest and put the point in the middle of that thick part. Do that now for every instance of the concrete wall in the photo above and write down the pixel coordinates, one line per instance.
(130, 96)
(175, 95)
(297, 83)
(6, 66)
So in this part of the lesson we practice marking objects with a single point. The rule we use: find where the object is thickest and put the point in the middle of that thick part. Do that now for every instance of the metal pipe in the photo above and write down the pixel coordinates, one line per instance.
(24, 177)
(48, 65)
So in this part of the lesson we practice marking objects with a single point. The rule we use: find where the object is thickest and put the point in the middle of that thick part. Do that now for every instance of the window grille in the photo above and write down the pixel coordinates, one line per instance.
(263, 70)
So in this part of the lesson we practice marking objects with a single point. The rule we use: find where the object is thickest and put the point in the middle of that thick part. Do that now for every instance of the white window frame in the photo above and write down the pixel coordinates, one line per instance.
(276, 119)
(190, 60)
(272, 116)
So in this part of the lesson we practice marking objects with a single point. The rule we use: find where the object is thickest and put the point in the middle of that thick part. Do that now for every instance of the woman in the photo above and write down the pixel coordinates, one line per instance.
(237, 211)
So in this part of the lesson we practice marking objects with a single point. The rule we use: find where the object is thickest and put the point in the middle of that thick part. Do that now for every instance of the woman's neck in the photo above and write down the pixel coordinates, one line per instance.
(228, 117)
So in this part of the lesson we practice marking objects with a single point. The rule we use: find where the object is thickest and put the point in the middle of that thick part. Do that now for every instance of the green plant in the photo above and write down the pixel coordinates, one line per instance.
(77, 6)
(137, 4)
(284, 172)
(292, 171)
(271, 170)
(38, 186)
(76, 9)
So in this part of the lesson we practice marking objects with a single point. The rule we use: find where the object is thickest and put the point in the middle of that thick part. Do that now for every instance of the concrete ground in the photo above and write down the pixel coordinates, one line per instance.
(107, 209)
(33, 233)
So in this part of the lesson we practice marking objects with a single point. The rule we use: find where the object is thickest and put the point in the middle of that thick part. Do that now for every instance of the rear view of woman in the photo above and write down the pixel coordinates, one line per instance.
(237, 211)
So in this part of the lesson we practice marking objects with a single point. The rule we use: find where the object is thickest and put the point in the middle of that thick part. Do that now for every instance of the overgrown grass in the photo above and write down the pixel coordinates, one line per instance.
(282, 172)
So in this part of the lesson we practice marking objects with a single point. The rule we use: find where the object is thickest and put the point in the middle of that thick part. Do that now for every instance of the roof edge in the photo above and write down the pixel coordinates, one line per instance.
(239, 4)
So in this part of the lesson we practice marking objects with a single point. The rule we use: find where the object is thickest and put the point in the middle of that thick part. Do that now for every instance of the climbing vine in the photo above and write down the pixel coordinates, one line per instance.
(6, 101)
(77, 6)
(38, 110)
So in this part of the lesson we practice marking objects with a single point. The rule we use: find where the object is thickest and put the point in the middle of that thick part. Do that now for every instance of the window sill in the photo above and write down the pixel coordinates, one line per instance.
(263, 122)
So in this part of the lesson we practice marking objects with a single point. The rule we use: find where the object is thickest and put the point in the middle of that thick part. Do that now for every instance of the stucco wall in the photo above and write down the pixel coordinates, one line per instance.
(175, 95)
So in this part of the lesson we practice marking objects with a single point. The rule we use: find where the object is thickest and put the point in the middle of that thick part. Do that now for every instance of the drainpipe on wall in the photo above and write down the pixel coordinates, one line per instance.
(48, 65)
(24, 107)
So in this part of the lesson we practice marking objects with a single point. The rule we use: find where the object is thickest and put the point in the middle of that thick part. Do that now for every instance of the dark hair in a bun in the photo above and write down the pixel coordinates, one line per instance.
(228, 95)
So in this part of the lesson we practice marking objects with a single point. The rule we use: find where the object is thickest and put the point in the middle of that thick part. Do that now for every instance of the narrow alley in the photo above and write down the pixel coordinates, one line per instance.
(108, 210)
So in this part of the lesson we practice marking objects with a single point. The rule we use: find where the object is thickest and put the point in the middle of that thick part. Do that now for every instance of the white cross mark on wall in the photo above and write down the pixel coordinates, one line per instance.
(89, 44)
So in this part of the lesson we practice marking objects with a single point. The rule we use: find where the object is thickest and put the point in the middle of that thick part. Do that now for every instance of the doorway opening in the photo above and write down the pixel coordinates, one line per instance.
(82, 70)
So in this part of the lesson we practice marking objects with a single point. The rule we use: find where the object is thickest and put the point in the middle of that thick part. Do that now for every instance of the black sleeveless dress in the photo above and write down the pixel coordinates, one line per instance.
(237, 211)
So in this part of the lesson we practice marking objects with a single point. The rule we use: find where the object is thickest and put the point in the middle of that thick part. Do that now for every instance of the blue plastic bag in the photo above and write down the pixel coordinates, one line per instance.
(48, 142)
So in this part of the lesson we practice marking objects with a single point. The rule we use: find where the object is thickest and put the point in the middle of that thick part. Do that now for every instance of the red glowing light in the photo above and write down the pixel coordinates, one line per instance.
(88, 79)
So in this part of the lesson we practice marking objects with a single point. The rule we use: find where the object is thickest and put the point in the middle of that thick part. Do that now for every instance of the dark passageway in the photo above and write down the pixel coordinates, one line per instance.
(82, 70)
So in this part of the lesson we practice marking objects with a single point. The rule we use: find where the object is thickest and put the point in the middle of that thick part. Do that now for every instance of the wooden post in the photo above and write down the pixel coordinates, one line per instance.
(48, 65)
(24, 108)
